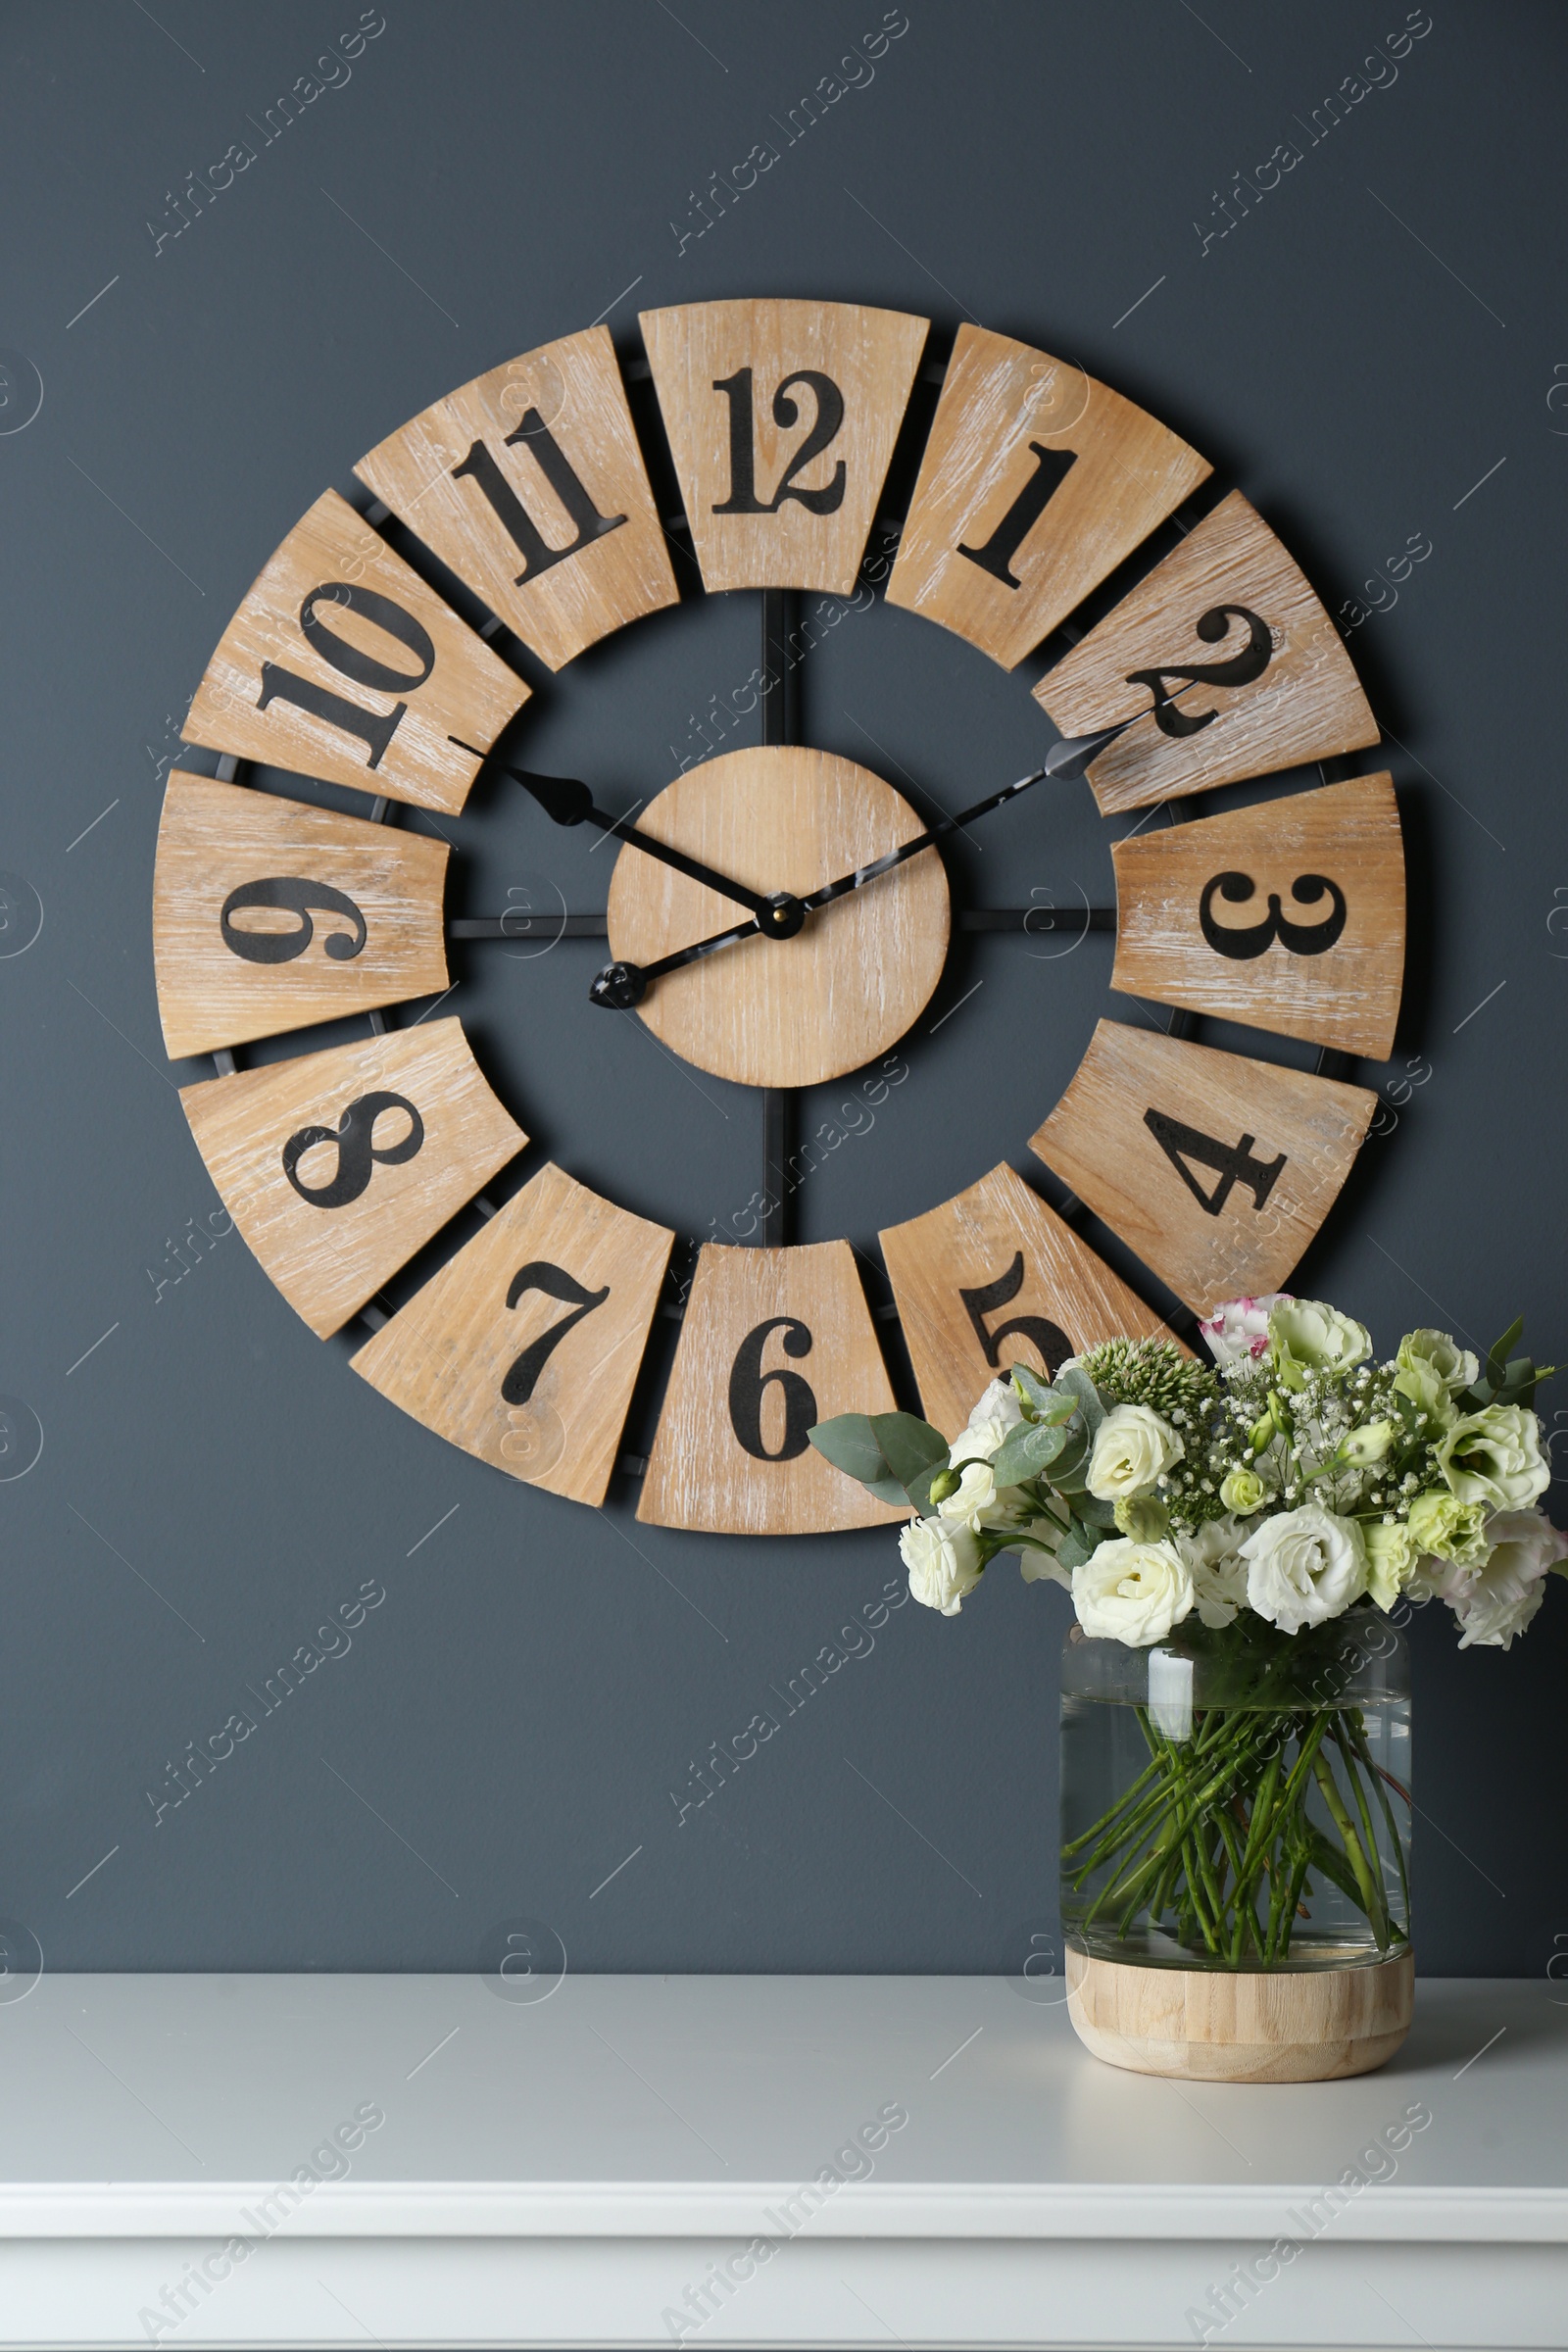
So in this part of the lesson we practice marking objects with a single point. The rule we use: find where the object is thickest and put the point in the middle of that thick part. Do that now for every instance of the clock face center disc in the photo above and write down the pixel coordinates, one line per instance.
(789, 1011)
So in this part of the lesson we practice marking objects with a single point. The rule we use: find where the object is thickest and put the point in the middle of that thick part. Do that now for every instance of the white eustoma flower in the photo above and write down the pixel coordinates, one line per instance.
(1041, 1567)
(1132, 1593)
(996, 1413)
(1493, 1457)
(1307, 1335)
(1496, 1600)
(1238, 1331)
(1131, 1447)
(1391, 1560)
(1303, 1567)
(977, 1502)
(1424, 1387)
(944, 1563)
(1218, 1571)
(1455, 1367)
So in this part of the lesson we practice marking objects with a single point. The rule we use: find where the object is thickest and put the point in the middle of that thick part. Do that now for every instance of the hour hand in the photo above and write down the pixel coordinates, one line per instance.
(567, 802)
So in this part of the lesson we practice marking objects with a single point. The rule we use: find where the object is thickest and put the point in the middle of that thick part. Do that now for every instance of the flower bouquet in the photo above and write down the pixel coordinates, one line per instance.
(1239, 1540)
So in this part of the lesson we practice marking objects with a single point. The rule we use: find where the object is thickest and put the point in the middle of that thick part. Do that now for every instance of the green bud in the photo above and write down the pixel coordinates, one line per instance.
(1144, 1517)
(1366, 1447)
(946, 1482)
(1242, 1491)
(1262, 1434)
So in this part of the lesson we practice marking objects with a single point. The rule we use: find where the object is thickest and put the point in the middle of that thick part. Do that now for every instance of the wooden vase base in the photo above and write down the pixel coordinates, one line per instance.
(1215, 2026)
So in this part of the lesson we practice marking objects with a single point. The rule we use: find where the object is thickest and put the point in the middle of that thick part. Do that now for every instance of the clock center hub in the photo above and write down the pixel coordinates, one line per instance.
(818, 991)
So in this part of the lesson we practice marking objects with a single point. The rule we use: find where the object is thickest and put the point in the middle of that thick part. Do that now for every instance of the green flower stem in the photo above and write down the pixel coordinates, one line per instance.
(1205, 1867)
(1167, 1853)
(1164, 1885)
(1324, 1777)
(1155, 1766)
(1295, 1779)
(1165, 1758)
(1124, 1884)
(1191, 1858)
(1044, 1510)
(1199, 1833)
(1345, 1735)
(1257, 1840)
(1377, 1776)
(1126, 1833)
(1290, 1905)
(1296, 1854)
(1233, 1852)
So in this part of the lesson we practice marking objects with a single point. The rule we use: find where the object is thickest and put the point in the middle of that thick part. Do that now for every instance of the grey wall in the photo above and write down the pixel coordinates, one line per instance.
(1377, 336)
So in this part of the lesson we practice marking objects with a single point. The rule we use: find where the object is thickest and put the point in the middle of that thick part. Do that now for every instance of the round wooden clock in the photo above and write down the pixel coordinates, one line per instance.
(778, 916)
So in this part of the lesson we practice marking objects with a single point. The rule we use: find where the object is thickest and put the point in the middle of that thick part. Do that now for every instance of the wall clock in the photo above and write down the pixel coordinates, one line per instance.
(778, 916)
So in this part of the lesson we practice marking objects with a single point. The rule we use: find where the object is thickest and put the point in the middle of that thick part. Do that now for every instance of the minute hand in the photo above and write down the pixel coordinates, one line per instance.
(624, 985)
(1064, 763)
(912, 849)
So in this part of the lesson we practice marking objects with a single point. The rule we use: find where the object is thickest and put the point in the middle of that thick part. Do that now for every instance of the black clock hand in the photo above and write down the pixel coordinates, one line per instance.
(569, 802)
(624, 985)
(621, 986)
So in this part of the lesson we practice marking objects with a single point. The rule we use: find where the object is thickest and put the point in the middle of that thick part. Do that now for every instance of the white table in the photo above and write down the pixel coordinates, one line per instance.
(562, 2171)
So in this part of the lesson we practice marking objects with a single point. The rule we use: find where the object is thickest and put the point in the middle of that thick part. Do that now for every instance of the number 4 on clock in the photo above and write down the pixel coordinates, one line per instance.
(1232, 1164)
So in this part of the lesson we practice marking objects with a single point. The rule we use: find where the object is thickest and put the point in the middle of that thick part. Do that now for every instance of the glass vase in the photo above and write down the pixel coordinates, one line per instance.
(1237, 1800)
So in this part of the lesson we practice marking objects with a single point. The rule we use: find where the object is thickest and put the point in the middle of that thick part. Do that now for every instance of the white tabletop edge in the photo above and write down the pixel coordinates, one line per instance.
(925, 2210)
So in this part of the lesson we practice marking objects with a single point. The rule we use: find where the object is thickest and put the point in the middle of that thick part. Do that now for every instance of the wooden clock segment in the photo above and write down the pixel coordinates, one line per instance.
(529, 484)
(1217, 1170)
(849, 984)
(1289, 916)
(338, 1166)
(525, 1347)
(773, 1340)
(781, 418)
(1230, 618)
(341, 663)
(1036, 482)
(268, 914)
(991, 1278)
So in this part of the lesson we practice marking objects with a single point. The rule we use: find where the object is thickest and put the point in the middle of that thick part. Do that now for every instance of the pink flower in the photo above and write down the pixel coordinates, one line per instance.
(1240, 1328)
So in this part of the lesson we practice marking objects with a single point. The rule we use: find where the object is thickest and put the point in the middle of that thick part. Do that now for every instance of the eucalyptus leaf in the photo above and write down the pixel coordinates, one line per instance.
(1075, 1546)
(849, 1443)
(1025, 1451)
(918, 1491)
(1496, 1357)
(1518, 1383)
(910, 1447)
(1096, 1513)
(1075, 1382)
(1032, 1392)
(1067, 1471)
(1079, 1543)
